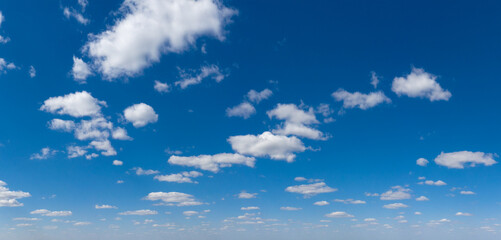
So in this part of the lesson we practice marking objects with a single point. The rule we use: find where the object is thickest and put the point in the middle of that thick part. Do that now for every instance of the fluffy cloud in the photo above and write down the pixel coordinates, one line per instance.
(118, 163)
(395, 206)
(459, 159)
(309, 190)
(422, 198)
(44, 154)
(212, 163)
(3, 39)
(246, 195)
(32, 72)
(276, 147)
(396, 193)
(244, 110)
(140, 115)
(297, 121)
(255, 96)
(321, 203)
(290, 208)
(105, 207)
(140, 171)
(75, 151)
(374, 79)
(150, 28)
(301, 131)
(4, 65)
(104, 146)
(360, 100)
(9, 198)
(63, 125)
(120, 134)
(78, 104)
(161, 87)
(189, 78)
(48, 213)
(183, 177)
(422, 162)
(349, 201)
(420, 84)
(339, 215)
(173, 198)
(142, 212)
(80, 70)
(435, 183)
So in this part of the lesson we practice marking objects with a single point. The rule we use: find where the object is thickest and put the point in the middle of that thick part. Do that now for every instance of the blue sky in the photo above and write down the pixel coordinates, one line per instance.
(249, 119)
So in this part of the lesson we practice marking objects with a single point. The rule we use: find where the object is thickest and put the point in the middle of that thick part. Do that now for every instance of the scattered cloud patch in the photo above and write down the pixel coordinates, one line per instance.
(142, 212)
(161, 87)
(396, 193)
(422, 162)
(360, 100)
(339, 215)
(458, 160)
(308, 190)
(183, 177)
(173, 198)
(10, 198)
(395, 206)
(212, 163)
(140, 115)
(420, 84)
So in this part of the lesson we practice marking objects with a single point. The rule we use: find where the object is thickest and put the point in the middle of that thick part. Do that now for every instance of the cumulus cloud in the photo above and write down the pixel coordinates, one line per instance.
(246, 195)
(78, 104)
(374, 79)
(63, 125)
(243, 110)
(349, 201)
(297, 121)
(267, 144)
(396, 193)
(249, 208)
(192, 77)
(360, 100)
(140, 115)
(339, 215)
(10, 198)
(256, 97)
(321, 203)
(435, 183)
(141, 212)
(290, 208)
(4, 65)
(459, 159)
(104, 146)
(309, 190)
(183, 177)
(173, 198)
(395, 206)
(212, 163)
(3, 39)
(420, 84)
(76, 151)
(422, 198)
(105, 206)
(45, 153)
(422, 162)
(48, 213)
(80, 70)
(118, 163)
(120, 134)
(140, 171)
(161, 87)
(150, 28)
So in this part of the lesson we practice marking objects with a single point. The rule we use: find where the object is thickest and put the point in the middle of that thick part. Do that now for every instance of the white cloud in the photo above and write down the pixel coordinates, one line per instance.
(183, 177)
(435, 183)
(10, 198)
(422, 162)
(459, 159)
(140, 171)
(350, 201)
(301, 131)
(104, 146)
(244, 110)
(395, 206)
(142, 212)
(120, 134)
(3, 39)
(467, 193)
(80, 70)
(140, 115)
(45, 153)
(374, 79)
(290, 208)
(212, 163)
(83, 4)
(420, 84)
(309, 190)
(396, 193)
(255, 96)
(276, 147)
(72, 13)
(189, 78)
(161, 87)
(422, 198)
(150, 28)
(339, 215)
(463, 214)
(75, 151)
(360, 100)
(370, 220)
(78, 104)
(26, 219)
(118, 163)
(292, 114)
(321, 203)
(81, 223)
(418, 213)
(32, 72)
(63, 125)
(190, 213)
(104, 206)
(4, 65)
(249, 208)
(246, 195)
(173, 198)
(45, 212)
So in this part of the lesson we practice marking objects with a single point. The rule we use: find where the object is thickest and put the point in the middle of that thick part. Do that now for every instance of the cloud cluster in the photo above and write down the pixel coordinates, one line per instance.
(396, 193)
(48, 213)
(360, 100)
(183, 177)
(459, 159)
(9, 198)
(173, 198)
(246, 109)
(420, 84)
(308, 190)
(212, 163)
